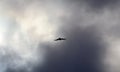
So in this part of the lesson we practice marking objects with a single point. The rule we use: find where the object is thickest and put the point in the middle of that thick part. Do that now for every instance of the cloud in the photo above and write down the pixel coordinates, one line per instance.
(97, 4)
(81, 52)
(38, 22)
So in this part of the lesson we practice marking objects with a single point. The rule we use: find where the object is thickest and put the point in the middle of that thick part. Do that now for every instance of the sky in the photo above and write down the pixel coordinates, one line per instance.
(28, 29)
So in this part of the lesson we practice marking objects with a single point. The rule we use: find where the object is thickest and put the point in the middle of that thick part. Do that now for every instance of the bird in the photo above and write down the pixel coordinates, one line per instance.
(58, 39)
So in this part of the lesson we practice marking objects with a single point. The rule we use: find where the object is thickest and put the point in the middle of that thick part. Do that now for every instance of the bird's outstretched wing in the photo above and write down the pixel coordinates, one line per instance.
(63, 38)
(56, 40)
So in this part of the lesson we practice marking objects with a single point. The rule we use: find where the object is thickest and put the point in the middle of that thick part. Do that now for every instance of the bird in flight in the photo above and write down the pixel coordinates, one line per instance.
(60, 39)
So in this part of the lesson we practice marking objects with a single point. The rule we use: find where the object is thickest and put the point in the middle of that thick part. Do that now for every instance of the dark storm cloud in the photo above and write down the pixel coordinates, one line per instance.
(81, 52)
(101, 3)
(97, 4)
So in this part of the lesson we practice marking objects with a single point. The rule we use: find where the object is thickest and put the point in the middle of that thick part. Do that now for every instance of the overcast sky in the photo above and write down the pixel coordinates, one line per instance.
(28, 29)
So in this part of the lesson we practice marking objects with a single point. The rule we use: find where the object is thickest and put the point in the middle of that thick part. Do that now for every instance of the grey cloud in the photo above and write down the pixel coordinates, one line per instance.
(21, 5)
(16, 70)
(81, 52)
(101, 3)
(97, 4)
(84, 47)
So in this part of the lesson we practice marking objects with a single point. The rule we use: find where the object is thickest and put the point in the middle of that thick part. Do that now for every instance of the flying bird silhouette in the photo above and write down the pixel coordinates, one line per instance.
(60, 39)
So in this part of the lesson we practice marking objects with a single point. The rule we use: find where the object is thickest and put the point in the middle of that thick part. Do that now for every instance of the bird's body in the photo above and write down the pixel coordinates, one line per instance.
(60, 39)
